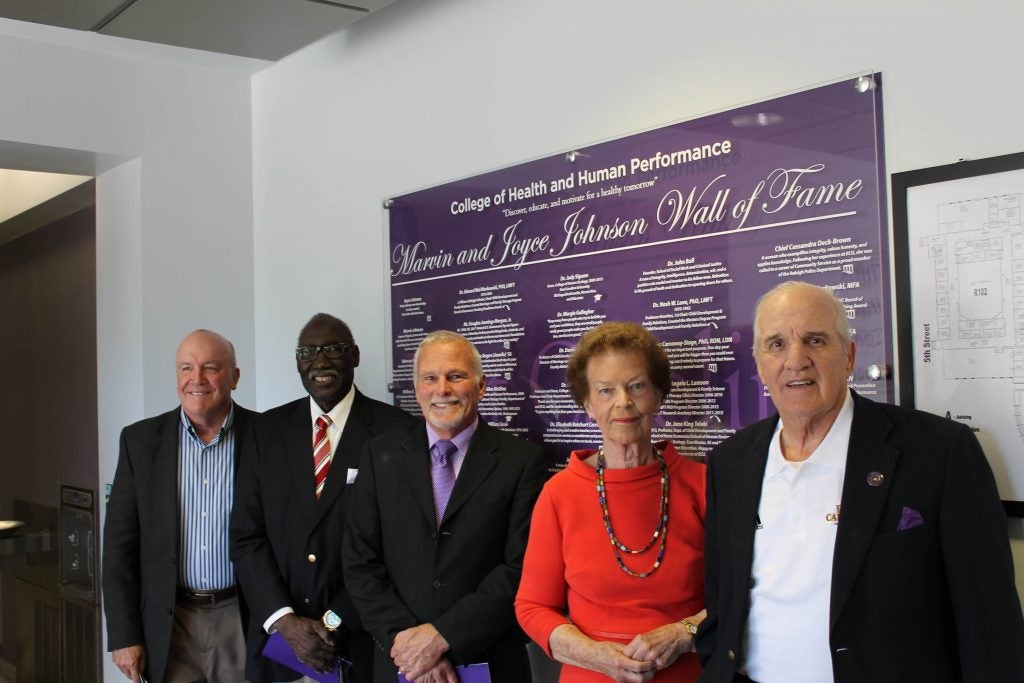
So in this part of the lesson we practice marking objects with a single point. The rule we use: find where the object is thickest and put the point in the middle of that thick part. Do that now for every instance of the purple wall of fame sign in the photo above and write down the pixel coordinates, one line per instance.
(680, 228)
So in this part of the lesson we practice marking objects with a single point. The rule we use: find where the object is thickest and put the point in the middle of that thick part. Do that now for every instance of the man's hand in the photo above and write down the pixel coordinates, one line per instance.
(310, 640)
(442, 672)
(131, 661)
(417, 650)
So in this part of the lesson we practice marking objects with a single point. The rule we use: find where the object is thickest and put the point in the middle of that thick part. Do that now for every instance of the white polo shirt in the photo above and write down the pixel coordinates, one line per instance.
(788, 627)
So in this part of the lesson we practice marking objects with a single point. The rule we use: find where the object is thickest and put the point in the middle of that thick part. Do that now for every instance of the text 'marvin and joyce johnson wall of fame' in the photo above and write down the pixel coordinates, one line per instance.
(680, 228)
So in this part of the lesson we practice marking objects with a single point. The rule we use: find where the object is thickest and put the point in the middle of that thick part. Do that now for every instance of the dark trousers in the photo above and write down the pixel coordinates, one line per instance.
(741, 678)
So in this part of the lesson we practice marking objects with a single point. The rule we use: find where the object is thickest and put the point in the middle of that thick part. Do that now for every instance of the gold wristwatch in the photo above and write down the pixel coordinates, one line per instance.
(332, 622)
(690, 626)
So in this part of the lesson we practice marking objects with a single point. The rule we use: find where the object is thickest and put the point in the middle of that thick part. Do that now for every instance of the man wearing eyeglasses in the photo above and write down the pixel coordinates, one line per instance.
(290, 503)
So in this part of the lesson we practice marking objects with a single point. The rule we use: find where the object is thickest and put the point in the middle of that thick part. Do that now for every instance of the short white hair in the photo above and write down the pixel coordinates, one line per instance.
(842, 324)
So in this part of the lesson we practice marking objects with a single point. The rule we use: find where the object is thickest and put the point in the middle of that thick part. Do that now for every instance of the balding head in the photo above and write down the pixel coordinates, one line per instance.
(808, 292)
(207, 374)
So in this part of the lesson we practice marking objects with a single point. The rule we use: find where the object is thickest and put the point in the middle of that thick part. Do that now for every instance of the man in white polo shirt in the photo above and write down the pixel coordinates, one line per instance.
(849, 540)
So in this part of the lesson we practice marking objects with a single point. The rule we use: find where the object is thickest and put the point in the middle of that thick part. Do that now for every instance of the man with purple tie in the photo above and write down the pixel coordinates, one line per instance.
(437, 529)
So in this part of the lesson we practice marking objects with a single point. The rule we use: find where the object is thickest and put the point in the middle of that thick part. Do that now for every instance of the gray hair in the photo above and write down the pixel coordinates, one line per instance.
(449, 337)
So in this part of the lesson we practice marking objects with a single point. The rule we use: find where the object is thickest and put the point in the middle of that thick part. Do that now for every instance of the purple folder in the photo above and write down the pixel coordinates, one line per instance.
(278, 649)
(471, 673)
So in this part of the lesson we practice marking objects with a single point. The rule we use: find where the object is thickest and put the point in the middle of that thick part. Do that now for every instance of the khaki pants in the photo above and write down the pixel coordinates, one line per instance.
(207, 645)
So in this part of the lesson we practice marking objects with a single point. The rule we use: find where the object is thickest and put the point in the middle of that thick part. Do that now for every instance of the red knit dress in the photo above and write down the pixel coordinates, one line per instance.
(570, 563)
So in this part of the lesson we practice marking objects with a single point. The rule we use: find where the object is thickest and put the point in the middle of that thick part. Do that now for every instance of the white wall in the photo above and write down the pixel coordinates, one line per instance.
(168, 132)
(184, 117)
(420, 93)
(424, 92)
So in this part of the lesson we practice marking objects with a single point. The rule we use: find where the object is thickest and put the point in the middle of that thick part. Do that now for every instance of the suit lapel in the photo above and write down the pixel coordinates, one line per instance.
(299, 451)
(240, 428)
(353, 437)
(165, 468)
(414, 462)
(868, 456)
(346, 455)
(747, 475)
(481, 458)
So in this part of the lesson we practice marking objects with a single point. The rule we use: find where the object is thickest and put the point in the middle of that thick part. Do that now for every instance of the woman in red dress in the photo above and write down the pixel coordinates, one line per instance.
(613, 576)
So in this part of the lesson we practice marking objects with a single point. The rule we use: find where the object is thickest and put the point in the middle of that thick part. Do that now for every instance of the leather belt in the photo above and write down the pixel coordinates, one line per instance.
(204, 598)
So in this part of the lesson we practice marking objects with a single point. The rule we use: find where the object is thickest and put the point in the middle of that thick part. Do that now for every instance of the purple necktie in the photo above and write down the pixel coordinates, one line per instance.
(443, 474)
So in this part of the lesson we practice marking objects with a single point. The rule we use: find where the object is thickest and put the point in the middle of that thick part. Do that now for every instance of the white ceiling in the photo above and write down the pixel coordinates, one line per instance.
(259, 29)
(265, 30)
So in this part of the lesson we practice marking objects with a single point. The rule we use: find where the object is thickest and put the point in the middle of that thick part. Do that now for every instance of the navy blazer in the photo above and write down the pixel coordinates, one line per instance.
(935, 602)
(403, 571)
(140, 536)
(286, 545)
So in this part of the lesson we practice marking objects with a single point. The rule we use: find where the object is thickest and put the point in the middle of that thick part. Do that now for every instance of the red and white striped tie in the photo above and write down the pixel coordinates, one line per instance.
(321, 453)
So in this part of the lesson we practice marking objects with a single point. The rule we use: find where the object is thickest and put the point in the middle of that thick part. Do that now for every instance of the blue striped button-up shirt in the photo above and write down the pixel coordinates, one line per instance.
(206, 488)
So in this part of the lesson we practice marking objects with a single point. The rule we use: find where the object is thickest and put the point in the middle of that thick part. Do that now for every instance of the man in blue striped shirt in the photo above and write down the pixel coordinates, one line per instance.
(168, 583)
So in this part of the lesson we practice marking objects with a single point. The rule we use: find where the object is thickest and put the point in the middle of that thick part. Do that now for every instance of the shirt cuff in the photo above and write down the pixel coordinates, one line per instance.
(268, 625)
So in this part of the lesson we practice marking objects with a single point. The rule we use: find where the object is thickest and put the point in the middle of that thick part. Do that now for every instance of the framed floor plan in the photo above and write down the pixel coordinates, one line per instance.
(959, 248)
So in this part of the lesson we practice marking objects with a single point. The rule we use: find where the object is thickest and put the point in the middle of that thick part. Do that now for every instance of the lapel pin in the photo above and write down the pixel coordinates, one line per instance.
(875, 478)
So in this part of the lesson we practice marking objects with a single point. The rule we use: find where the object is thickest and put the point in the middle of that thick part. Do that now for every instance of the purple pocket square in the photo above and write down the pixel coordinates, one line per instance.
(910, 519)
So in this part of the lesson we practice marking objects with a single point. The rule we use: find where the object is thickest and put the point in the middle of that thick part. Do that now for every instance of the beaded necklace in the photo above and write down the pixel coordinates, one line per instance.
(660, 532)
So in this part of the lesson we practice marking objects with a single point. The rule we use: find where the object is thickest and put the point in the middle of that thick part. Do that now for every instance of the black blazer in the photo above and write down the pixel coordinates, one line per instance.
(402, 572)
(140, 536)
(285, 544)
(933, 603)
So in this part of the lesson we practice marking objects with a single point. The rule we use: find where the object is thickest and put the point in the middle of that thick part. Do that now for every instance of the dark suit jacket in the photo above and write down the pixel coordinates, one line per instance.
(402, 572)
(931, 603)
(140, 536)
(286, 545)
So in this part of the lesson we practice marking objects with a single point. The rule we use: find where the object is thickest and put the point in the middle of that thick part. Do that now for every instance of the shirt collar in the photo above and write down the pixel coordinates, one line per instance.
(228, 422)
(461, 440)
(829, 453)
(339, 413)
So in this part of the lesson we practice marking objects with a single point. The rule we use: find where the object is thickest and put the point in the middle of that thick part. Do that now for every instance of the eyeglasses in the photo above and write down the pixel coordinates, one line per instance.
(332, 351)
